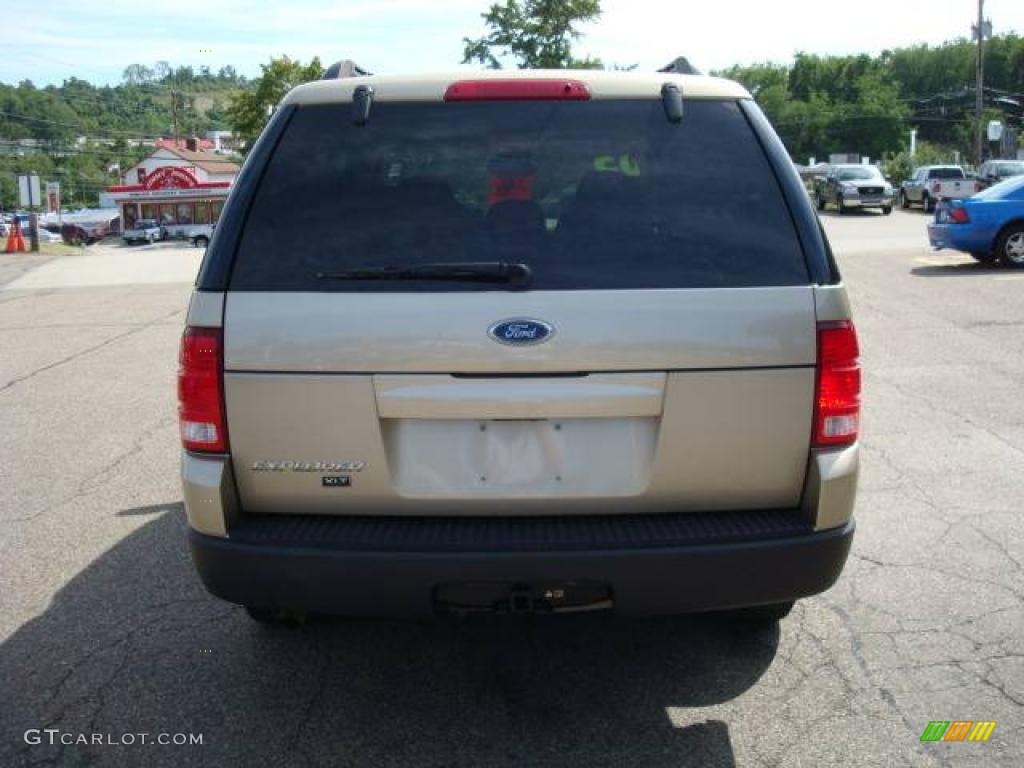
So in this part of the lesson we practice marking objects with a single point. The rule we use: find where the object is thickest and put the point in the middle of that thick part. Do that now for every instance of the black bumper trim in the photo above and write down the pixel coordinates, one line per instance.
(516, 534)
(725, 568)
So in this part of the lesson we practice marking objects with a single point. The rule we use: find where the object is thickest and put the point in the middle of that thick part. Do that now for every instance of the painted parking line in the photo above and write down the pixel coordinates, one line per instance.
(930, 262)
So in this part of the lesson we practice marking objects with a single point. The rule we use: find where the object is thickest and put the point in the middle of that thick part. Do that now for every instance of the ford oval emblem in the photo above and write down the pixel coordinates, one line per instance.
(521, 331)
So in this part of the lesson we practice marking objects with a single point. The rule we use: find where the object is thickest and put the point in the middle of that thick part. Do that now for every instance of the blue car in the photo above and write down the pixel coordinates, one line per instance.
(988, 225)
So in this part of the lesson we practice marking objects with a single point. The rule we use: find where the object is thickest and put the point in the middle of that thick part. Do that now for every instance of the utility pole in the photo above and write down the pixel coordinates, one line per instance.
(979, 86)
(174, 115)
(32, 193)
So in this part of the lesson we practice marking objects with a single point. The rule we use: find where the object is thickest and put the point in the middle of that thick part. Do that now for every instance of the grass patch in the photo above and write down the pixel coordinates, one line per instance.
(59, 249)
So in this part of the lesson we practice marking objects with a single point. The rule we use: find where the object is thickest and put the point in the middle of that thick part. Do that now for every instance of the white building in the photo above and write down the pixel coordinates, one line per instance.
(223, 141)
(176, 187)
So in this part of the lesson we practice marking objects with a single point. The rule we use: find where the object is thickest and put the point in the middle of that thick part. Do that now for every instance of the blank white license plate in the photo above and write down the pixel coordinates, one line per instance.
(463, 458)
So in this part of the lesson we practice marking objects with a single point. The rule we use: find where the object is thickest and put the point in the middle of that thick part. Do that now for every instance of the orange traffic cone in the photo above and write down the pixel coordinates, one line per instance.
(15, 241)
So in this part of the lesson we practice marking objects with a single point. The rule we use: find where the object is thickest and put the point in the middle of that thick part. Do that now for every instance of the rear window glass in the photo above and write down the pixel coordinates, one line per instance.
(850, 174)
(946, 173)
(1004, 170)
(589, 195)
(1010, 188)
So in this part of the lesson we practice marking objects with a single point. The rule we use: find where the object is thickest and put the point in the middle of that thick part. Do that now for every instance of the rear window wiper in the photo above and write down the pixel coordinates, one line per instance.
(514, 273)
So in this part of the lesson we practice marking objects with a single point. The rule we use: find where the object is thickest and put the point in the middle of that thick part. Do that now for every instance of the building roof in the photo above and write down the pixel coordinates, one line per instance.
(208, 161)
(170, 143)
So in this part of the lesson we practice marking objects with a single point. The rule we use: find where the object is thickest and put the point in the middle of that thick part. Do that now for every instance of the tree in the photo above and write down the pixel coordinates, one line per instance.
(137, 74)
(871, 123)
(228, 75)
(900, 166)
(537, 33)
(249, 110)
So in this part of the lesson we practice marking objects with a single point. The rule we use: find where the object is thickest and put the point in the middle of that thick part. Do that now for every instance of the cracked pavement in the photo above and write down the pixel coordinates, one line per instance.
(104, 628)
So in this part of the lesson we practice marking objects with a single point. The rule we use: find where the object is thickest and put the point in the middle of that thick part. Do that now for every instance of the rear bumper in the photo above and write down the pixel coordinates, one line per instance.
(958, 237)
(875, 201)
(650, 564)
(938, 235)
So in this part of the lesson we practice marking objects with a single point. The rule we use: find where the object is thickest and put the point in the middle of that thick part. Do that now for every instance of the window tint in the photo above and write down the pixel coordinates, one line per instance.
(590, 195)
(1005, 170)
(867, 172)
(1005, 189)
(946, 173)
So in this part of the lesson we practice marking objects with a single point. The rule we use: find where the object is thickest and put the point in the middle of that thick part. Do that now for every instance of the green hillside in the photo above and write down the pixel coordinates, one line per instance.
(868, 104)
(112, 119)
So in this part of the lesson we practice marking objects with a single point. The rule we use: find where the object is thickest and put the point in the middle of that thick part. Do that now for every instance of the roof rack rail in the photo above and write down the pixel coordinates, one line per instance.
(344, 68)
(681, 66)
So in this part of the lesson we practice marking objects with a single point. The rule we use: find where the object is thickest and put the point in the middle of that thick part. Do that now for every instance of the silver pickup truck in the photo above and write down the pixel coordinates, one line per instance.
(932, 183)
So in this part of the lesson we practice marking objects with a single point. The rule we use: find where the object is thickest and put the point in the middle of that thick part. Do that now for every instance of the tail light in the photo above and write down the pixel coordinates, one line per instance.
(978, 186)
(517, 90)
(837, 394)
(959, 215)
(201, 391)
(936, 187)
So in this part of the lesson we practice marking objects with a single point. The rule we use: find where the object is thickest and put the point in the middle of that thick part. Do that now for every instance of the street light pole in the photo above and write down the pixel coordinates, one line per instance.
(979, 93)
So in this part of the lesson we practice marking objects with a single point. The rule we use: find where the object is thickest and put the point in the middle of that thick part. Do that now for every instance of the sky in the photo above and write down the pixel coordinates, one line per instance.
(96, 40)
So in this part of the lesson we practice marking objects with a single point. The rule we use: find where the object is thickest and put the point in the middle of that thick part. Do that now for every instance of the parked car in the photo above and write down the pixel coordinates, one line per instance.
(84, 233)
(200, 235)
(7, 223)
(143, 231)
(931, 183)
(73, 234)
(993, 171)
(854, 186)
(175, 231)
(988, 225)
(398, 396)
(46, 236)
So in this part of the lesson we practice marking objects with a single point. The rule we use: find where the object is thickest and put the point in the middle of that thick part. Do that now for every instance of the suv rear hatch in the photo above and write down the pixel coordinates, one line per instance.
(657, 259)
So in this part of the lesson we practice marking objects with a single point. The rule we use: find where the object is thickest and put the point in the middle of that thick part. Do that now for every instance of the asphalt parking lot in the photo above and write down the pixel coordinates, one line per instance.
(105, 629)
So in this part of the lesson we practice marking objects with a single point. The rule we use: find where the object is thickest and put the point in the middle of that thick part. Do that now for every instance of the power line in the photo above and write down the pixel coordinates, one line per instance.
(77, 126)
